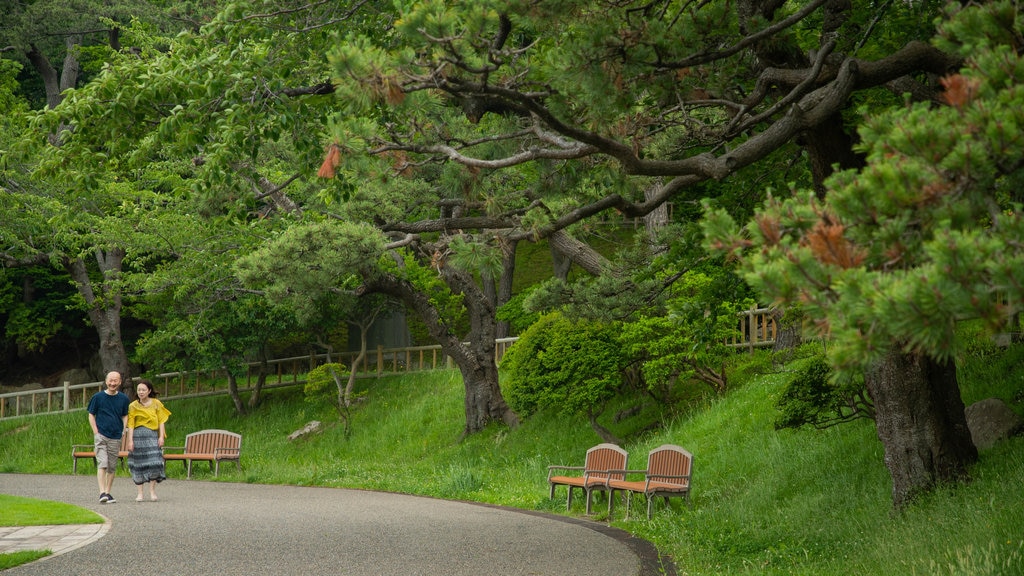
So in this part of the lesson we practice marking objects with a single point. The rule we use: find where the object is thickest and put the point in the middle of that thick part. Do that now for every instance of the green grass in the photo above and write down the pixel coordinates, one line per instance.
(764, 501)
(18, 511)
(12, 559)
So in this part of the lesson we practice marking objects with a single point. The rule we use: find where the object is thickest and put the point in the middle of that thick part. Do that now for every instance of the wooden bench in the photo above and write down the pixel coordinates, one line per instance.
(213, 446)
(667, 475)
(89, 451)
(595, 472)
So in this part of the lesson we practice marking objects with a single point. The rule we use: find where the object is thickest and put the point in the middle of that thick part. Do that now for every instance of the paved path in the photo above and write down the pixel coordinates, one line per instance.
(201, 528)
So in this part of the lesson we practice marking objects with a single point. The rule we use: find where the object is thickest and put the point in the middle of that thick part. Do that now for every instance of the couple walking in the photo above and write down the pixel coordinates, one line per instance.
(112, 415)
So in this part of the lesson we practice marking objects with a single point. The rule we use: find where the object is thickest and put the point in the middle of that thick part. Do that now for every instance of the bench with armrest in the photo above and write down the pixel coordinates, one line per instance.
(594, 474)
(89, 451)
(667, 475)
(213, 446)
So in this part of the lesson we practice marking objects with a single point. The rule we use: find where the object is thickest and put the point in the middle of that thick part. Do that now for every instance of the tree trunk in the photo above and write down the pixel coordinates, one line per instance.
(484, 402)
(346, 396)
(261, 379)
(51, 80)
(788, 333)
(921, 423)
(603, 433)
(104, 309)
(829, 144)
(233, 392)
(658, 218)
(504, 292)
(560, 263)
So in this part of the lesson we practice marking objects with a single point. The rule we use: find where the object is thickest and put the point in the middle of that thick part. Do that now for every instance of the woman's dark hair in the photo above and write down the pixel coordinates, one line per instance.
(152, 389)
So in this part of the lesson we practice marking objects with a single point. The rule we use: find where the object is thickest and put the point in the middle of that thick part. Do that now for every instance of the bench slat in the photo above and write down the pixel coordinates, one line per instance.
(211, 446)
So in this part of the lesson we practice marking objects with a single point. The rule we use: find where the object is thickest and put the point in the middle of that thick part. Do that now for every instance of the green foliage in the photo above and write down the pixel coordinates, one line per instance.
(574, 366)
(815, 396)
(901, 251)
(222, 334)
(515, 313)
(324, 382)
(11, 104)
(50, 309)
(688, 342)
(310, 263)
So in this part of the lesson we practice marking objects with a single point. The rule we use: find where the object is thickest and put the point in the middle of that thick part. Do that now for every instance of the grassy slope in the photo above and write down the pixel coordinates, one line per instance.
(765, 502)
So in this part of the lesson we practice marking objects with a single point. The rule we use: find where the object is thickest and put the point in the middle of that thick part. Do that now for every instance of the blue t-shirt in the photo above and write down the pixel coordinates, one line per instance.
(109, 411)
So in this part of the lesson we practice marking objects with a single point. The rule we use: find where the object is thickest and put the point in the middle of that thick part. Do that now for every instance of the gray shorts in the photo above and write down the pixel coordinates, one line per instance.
(106, 452)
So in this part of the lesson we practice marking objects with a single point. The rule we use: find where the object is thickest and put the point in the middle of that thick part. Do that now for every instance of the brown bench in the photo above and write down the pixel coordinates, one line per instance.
(89, 451)
(667, 475)
(212, 446)
(595, 472)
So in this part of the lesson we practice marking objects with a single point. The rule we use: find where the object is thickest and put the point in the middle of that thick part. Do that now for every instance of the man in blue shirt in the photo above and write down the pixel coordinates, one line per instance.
(108, 416)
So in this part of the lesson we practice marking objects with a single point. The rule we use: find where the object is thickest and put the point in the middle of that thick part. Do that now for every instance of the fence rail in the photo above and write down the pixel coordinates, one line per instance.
(757, 328)
(282, 372)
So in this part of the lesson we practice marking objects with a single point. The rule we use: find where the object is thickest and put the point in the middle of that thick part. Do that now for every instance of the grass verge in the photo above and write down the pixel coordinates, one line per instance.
(18, 511)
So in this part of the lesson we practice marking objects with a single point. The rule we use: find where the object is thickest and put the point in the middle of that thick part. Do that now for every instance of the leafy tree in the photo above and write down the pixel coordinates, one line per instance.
(926, 235)
(574, 366)
(42, 33)
(689, 341)
(73, 213)
(321, 379)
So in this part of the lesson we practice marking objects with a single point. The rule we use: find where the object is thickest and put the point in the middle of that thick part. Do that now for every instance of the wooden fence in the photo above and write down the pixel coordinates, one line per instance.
(283, 372)
(757, 328)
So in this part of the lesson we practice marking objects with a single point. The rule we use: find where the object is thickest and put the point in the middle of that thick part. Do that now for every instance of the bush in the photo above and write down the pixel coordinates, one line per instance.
(813, 397)
(572, 365)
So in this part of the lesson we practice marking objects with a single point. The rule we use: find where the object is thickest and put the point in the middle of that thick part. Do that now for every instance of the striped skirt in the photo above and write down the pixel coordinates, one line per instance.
(146, 461)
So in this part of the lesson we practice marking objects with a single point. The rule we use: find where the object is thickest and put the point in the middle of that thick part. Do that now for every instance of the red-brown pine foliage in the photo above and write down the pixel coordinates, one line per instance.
(959, 89)
(331, 162)
(830, 246)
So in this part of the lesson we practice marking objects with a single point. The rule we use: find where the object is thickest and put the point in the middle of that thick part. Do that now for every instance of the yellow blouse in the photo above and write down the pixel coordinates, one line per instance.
(151, 416)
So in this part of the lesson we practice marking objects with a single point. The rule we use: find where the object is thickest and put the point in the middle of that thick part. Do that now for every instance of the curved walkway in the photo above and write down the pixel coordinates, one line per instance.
(200, 528)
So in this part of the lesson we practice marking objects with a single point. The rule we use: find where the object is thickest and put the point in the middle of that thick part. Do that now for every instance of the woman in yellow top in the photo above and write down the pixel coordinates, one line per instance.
(146, 417)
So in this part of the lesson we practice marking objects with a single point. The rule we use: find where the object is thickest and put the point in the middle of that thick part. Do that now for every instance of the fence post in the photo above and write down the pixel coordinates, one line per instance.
(67, 396)
(380, 360)
(752, 326)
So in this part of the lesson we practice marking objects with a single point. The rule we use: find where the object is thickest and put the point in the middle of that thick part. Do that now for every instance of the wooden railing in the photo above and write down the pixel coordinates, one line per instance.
(282, 372)
(758, 328)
